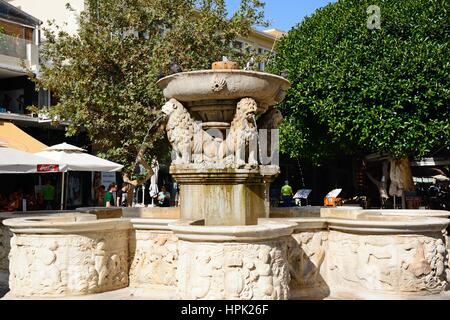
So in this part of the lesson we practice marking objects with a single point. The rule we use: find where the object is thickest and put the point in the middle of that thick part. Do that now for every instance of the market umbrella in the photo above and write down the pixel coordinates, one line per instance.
(16, 161)
(77, 159)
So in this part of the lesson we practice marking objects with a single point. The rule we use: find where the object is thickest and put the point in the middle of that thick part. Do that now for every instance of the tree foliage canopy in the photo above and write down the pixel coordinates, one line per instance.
(104, 77)
(357, 90)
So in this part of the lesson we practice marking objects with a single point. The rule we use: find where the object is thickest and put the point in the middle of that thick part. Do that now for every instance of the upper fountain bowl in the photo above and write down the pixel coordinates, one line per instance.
(209, 85)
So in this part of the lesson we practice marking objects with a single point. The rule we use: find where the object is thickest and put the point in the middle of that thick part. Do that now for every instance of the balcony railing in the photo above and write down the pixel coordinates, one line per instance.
(19, 48)
(13, 46)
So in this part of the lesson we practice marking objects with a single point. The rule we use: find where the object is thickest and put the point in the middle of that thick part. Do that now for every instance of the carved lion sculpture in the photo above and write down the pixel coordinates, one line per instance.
(272, 119)
(244, 133)
(190, 143)
(180, 131)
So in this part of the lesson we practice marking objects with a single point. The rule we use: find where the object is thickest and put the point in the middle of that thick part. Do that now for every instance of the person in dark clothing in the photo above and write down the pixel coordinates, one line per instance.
(122, 195)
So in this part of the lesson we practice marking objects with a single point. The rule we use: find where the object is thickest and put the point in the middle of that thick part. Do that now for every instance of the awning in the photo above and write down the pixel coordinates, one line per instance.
(430, 162)
(15, 138)
(14, 161)
(77, 160)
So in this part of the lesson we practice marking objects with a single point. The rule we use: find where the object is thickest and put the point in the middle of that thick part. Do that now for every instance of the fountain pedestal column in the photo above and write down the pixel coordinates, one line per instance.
(224, 252)
(223, 197)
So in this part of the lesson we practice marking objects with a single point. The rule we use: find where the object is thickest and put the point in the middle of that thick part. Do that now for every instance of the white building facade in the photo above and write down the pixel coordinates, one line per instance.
(55, 10)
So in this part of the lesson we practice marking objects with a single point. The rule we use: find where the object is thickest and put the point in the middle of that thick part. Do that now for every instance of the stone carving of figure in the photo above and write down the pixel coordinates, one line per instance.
(420, 265)
(100, 262)
(180, 131)
(244, 133)
(191, 144)
(272, 119)
(47, 276)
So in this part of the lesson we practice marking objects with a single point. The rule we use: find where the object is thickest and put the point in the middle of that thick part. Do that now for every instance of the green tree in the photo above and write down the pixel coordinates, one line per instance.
(104, 77)
(359, 89)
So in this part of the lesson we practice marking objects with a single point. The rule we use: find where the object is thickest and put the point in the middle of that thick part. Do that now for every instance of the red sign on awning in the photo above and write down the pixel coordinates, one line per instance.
(47, 168)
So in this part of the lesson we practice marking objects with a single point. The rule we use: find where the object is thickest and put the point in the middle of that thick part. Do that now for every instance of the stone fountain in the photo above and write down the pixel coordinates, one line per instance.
(213, 131)
(218, 161)
(222, 243)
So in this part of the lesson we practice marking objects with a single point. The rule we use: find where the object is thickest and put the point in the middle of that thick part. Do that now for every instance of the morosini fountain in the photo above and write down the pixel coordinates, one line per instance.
(222, 243)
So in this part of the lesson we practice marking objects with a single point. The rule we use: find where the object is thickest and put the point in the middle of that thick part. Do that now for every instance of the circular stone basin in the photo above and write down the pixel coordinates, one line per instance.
(266, 229)
(266, 89)
(151, 223)
(388, 224)
(67, 255)
(411, 213)
(372, 223)
(64, 223)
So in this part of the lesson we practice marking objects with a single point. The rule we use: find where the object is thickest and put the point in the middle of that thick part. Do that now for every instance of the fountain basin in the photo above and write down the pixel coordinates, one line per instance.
(67, 255)
(239, 262)
(63, 224)
(6, 235)
(411, 213)
(136, 212)
(368, 257)
(377, 224)
(207, 91)
(266, 229)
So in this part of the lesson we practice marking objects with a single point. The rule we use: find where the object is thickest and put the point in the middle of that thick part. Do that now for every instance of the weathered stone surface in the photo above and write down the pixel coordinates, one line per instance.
(371, 256)
(235, 196)
(295, 212)
(247, 271)
(314, 258)
(66, 255)
(246, 262)
(103, 213)
(400, 265)
(192, 145)
(5, 236)
(154, 259)
(152, 212)
(266, 89)
(68, 265)
(306, 254)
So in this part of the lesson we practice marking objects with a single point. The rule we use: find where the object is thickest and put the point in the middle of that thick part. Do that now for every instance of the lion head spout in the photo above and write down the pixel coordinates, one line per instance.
(171, 106)
(247, 107)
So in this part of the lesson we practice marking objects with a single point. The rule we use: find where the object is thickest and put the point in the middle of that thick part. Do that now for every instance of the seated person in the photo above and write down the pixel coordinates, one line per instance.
(14, 202)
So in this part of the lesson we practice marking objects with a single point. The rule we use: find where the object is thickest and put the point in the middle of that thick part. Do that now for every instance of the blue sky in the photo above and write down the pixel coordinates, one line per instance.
(285, 14)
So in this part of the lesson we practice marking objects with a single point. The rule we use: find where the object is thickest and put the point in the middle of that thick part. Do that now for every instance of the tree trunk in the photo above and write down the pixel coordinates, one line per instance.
(135, 183)
(141, 160)
(383, 183)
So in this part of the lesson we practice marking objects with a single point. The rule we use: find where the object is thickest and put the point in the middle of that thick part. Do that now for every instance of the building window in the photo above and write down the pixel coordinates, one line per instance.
(238, 44)
(262, 64)
(44, 98)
